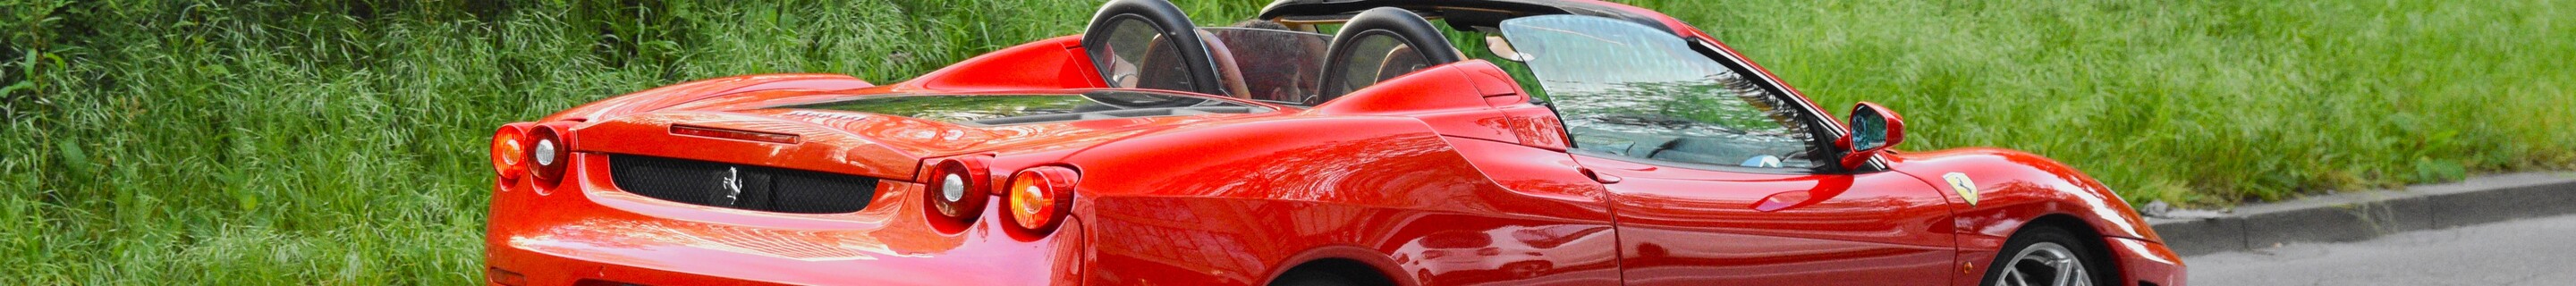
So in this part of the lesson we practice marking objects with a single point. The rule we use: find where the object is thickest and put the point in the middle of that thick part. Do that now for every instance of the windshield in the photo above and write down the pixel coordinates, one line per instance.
(1629, 90)
(1275, 65)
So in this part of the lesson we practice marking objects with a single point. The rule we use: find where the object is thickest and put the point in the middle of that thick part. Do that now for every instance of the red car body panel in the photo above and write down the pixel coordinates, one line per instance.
(2018, 188)
(585, 232)
(1880, 228)
(1448, 175)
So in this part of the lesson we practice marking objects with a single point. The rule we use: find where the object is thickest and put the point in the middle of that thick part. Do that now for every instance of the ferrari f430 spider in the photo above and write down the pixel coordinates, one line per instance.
(1322, 142)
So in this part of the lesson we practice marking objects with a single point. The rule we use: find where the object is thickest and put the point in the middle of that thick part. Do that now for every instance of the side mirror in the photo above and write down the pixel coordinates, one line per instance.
(1873, 130)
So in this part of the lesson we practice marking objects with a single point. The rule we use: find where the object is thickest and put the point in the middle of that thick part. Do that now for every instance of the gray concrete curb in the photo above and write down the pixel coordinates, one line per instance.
(2354, 216)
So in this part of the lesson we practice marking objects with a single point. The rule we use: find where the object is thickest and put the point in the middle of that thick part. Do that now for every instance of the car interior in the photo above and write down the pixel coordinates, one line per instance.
(1139, 44)
(1623, 91)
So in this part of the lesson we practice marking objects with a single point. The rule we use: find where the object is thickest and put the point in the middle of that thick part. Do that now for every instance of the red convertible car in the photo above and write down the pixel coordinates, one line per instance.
(1323, 142)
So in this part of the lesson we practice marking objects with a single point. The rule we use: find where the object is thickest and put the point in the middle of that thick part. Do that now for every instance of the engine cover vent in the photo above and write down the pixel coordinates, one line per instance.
(741, 186)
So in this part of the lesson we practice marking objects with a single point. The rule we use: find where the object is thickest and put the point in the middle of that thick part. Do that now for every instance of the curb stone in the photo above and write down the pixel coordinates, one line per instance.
(2355, 216)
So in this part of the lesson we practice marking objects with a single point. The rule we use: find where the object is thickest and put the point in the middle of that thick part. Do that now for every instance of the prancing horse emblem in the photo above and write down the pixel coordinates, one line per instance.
(1960, 183)
(732, 185)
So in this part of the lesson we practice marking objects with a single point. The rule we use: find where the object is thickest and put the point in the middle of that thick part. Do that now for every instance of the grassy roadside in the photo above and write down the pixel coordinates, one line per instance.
(340, 142)
(2196, 102)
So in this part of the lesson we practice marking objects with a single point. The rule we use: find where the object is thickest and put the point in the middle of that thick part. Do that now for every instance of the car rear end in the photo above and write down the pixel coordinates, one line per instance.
(823, 189)
(675, 217)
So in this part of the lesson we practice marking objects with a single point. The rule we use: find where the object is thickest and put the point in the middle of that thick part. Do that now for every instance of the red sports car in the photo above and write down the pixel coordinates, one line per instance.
(1323, 142)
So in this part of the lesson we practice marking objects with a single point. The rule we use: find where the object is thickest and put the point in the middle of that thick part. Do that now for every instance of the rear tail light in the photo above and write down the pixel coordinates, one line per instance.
(1039, 197)
(510, 151)
(957, 189)
(547, 154)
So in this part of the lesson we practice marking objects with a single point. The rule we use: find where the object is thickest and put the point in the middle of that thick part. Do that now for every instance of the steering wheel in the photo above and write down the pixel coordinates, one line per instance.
(1416, 44)
(1150, 44)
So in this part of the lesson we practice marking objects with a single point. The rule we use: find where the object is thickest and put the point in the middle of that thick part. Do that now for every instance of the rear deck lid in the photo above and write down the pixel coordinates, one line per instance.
(887, 136)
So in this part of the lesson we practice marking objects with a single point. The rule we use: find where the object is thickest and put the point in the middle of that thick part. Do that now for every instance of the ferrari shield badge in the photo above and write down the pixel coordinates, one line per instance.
(1960, 183)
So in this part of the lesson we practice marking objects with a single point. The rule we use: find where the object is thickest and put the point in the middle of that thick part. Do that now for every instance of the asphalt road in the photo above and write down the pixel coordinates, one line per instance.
(2535, 251)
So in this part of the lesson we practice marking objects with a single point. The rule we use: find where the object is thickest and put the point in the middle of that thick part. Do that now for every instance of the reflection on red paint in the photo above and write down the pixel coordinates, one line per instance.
(733, 134)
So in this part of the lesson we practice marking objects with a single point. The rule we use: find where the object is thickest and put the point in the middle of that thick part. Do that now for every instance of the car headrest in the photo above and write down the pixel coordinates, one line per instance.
(1150, 44)
(1381, 44)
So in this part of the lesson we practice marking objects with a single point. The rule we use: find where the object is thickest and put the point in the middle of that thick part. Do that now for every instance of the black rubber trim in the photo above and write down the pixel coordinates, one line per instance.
(1343, 9)
(1398, 23)
(1168, 21)
(746, 187)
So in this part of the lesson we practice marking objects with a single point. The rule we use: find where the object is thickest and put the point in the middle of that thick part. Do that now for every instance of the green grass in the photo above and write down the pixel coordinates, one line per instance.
(341, 142)
(2196, 102)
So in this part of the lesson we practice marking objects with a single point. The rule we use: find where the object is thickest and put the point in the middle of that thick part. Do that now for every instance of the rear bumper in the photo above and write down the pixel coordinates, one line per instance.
(536, 268)
(2146, 263)
(585, 232)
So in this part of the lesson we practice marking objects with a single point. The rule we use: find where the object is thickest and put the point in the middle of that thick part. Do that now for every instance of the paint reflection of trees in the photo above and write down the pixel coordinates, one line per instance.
(1393, 170)
(1721, 107)
(1176, 232)
(912, 134)
(1337, 190)
(959, 108)
(1722, 101)
(650, 235)
(1347, 170)
(1839, 209)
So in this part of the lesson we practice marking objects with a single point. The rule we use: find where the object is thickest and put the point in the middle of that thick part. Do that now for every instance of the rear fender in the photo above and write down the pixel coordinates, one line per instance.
(1057, 63)
(1471, 99)
(1245, 200)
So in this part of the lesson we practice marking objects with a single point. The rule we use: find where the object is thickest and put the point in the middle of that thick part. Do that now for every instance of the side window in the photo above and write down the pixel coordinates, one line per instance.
(1629, 90)
(1373, 58)
(1480, 43)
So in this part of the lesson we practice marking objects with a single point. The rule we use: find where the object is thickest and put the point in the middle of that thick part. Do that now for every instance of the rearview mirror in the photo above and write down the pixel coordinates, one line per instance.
(1873, 130)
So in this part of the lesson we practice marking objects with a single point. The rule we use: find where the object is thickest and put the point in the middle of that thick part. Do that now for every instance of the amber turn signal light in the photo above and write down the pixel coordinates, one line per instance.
(510, 151)
(1040, 196)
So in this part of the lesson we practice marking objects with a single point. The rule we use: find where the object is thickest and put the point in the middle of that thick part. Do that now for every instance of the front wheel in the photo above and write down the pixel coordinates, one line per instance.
(2047, 256)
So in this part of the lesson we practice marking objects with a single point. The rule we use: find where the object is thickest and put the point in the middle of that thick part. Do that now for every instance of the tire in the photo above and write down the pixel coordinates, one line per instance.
(1313, 278)
(2039, 255)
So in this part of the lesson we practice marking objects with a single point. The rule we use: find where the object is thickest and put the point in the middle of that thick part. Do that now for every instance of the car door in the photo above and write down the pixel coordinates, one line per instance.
(1719, 179)
(1685, 226)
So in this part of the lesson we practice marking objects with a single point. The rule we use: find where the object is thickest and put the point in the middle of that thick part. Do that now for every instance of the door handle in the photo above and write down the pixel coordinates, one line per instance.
(1598, 176)
(1783, 200)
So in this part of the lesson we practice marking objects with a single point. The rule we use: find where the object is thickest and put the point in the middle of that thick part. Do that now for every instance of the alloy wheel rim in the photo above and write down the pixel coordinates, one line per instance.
(2045, 263)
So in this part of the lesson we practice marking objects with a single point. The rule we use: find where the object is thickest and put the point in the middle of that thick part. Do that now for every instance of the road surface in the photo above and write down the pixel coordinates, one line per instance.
(2534, 251)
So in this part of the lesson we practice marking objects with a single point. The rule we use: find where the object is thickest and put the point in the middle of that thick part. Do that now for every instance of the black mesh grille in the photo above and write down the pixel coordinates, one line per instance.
(741, 186)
